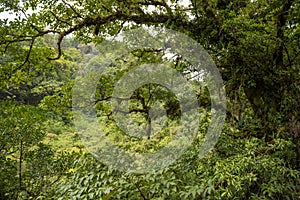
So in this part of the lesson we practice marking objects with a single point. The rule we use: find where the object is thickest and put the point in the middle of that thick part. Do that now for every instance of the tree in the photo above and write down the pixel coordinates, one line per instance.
(29, 168)
(229, 30)
(255, 45)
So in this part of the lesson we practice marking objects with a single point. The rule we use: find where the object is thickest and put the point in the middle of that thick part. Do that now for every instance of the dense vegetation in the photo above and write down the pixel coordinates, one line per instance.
(256, 47)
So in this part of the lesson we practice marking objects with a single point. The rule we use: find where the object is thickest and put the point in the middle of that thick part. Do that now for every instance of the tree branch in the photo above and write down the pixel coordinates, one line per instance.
(72, 8)
(58, 19)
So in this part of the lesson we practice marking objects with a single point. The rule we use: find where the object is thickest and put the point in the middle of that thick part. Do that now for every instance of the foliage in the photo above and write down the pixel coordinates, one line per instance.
(29, 167)
(255, 45)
